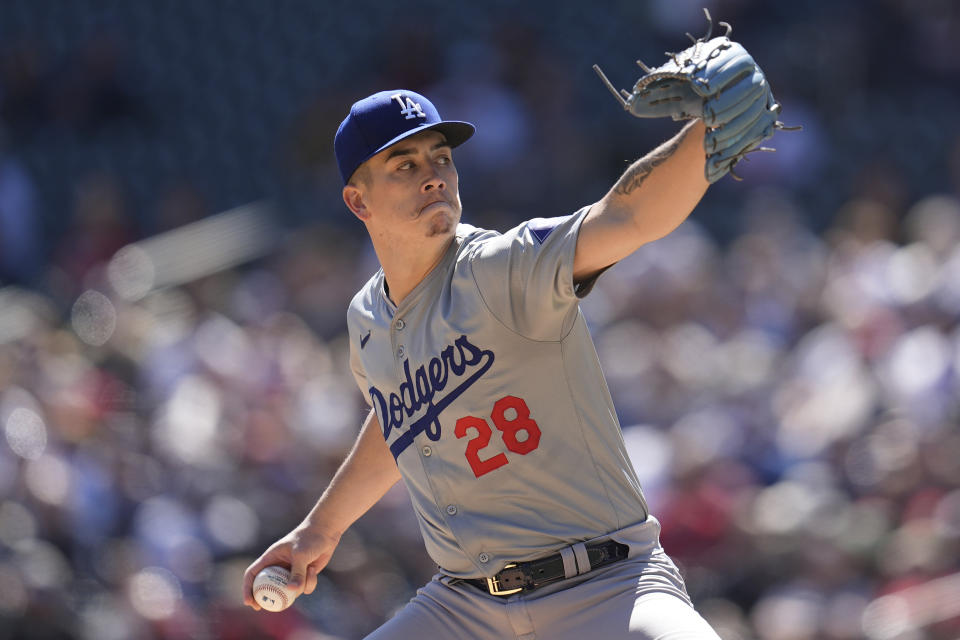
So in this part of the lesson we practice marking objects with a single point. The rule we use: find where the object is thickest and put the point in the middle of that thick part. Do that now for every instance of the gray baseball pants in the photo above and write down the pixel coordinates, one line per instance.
(641, 597)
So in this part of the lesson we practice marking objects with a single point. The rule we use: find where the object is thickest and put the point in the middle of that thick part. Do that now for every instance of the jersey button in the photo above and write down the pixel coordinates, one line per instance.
(484, 558)
(401, 351)
(452, 509)
(427, 451)
(400, 324)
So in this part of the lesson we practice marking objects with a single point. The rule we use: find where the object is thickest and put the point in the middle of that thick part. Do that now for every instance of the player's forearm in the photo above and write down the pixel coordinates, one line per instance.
(365, 476)
(660, 190)
(649, 201)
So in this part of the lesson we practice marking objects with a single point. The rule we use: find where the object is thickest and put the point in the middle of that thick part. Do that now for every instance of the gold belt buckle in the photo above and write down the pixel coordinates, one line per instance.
(493, 585)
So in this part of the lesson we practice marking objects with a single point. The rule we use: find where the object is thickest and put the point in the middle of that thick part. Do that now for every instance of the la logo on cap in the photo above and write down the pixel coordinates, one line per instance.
(410, 109)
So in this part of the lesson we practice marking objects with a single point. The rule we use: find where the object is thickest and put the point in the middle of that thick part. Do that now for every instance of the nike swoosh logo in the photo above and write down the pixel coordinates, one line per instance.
(363, 339)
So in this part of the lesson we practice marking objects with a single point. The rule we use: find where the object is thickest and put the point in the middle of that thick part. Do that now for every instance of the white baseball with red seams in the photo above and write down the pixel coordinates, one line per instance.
(270, 589)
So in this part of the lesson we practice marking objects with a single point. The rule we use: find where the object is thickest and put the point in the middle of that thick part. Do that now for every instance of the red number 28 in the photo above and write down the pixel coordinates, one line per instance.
(511, 426)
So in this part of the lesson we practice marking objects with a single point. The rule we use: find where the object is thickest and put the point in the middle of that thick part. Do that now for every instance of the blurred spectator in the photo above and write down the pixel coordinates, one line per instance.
(24, 90)
(21, 250)
(95, 87)
(99, 226)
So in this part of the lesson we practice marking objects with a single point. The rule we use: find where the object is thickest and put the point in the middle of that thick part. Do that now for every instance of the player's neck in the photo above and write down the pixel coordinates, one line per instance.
(405, 269)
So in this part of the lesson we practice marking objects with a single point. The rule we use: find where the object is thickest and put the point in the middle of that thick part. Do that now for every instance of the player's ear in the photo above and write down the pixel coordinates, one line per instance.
(353, 198)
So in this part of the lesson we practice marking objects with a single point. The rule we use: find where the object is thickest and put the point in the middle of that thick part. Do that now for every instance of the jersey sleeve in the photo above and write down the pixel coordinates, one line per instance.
(525, 276)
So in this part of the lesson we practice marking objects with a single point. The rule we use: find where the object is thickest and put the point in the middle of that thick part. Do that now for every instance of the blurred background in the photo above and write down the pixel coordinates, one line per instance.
(176, 263)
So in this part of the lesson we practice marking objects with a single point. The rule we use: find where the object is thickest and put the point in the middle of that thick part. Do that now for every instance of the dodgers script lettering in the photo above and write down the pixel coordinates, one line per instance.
(425, 387)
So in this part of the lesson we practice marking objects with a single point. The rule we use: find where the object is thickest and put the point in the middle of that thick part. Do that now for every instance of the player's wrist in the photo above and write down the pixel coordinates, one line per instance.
(322, 525)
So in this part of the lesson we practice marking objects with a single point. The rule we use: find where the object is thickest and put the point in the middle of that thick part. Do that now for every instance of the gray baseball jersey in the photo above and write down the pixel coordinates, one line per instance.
(491, 398)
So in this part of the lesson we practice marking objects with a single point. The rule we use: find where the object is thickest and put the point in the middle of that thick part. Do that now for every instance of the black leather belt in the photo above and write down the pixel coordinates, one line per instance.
(527, 576)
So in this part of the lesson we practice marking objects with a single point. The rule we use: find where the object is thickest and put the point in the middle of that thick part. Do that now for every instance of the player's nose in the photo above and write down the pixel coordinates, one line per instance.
(434, 181)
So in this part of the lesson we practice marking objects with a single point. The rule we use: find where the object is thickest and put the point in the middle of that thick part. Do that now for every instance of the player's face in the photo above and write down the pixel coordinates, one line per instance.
(413, 187)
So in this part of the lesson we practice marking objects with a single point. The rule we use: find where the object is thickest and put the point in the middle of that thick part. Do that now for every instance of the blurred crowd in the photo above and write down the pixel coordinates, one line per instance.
(786, 365)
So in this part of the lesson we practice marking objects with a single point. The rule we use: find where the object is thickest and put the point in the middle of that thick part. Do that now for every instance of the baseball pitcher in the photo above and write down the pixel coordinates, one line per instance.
(486, 395)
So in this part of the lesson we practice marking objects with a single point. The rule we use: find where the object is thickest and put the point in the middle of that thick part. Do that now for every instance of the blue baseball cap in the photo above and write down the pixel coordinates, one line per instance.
(385, 118)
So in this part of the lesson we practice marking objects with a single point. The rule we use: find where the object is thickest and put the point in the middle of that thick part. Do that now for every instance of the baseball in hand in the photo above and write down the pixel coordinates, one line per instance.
(270, 589)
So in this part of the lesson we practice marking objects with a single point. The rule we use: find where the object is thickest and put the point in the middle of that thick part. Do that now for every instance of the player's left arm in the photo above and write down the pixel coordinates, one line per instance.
(653, 196)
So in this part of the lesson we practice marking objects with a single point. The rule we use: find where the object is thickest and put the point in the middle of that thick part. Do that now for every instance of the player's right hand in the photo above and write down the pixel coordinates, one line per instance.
(305, 551)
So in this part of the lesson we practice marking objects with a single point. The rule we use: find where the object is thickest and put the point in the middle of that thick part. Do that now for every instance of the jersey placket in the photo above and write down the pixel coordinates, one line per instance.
(412, 312)
(397, 341)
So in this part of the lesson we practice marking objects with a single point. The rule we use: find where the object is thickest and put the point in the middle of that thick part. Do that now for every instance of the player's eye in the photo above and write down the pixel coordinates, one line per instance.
(444, 160)
(405, 165)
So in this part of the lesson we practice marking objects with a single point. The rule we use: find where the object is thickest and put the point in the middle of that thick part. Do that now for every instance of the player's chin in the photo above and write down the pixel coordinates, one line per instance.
(442, 222)
(440, 226)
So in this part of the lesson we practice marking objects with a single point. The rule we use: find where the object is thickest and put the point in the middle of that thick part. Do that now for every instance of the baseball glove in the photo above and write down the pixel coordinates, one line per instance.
(715, 80)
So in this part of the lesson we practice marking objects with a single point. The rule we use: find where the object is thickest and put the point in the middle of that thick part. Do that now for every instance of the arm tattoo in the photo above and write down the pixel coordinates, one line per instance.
(639, 170)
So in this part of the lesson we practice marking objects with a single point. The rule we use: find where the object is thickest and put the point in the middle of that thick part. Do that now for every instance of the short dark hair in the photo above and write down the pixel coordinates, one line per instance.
(362, 175)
